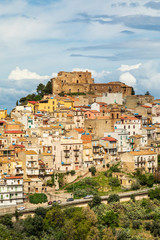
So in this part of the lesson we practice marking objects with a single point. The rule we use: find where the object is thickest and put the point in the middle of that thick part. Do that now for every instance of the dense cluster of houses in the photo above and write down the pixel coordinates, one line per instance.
(60, 134)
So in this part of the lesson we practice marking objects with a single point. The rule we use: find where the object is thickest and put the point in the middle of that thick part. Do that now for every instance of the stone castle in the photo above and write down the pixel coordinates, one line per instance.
(82, 82)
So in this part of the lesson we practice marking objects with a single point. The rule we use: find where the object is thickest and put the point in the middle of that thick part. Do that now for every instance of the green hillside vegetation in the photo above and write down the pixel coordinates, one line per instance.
(133, 220)
(40, 92)
(103, 183)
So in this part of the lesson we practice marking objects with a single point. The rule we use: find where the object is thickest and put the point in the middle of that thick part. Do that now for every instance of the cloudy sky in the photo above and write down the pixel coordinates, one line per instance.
(116, 40)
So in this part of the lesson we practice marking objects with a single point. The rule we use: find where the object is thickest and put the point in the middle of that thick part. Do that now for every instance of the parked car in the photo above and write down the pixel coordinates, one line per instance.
(50, 203)
(54, 202)
(70, 199)
(88, 196)
(59, 201)
(20, 208)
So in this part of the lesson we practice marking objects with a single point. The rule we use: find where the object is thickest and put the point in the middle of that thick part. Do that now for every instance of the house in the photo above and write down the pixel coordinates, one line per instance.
(11, 191)
(67, 154)
(111, 98)
(130, 123)
(143, 159)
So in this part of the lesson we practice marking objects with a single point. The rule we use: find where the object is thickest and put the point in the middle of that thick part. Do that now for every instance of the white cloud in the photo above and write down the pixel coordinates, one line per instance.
(125, 68)
(54, 75)
(95, 74)
(19, 74)
(128, 79)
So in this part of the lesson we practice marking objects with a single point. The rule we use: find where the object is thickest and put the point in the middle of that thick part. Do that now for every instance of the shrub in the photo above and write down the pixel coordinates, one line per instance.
(136, 224)
(114, 182)
(154, 193)
(135, 186)
(133, 197)
(95, 201)
(110, 219)
(123, 234)
(147, 226)
(126, 223)
(72, 172)
(107, 165)
(115, 168)
(40, 211)
(38, 198)
(142, 179)
(113, 198)
(150, 181)
(92, 170)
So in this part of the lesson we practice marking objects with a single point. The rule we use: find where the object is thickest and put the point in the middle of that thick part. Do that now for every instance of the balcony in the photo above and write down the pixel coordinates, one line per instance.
(76, 155)
(18, 166)
(66, 150)
(66, 156)
(66, 163)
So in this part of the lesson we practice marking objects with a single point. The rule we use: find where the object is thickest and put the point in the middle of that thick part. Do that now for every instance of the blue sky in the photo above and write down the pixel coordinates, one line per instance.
(116, 40)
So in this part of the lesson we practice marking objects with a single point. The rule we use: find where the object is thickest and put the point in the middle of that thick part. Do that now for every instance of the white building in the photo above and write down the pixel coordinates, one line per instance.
(130, 123)
(122, 136)
(67, 154)
(11, 191)
(111, 98)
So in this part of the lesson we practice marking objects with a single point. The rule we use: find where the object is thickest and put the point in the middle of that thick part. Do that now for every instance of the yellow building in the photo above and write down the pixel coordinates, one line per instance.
(51, 104)
(3, 113)
(34, 105)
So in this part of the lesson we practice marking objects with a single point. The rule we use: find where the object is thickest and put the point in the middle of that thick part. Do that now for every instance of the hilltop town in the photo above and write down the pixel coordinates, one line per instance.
(80, 126)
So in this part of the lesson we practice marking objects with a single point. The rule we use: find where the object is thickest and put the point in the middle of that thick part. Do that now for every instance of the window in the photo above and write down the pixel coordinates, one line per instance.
(77, 81)
(128, 126)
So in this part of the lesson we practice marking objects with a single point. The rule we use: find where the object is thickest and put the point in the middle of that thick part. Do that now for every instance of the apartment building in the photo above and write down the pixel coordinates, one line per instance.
(130, 123)
(67, 154)
(143, 159)
(11, 191)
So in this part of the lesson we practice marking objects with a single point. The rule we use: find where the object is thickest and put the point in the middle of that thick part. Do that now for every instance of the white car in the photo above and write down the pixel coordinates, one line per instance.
(88, 196)
(20, 208)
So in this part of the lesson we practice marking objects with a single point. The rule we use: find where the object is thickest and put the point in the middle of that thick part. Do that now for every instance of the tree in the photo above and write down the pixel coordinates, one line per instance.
(142, 179)
(95, 201)
(110, 219)
(92, 170)
(108, 234)
(135, 185)
(7, 220)
(40, 211)
(40, 89)
(133, 92)
(17, 103)
(154, 193)
(54, 218)
(150, 181)
(147, 93)
(93, 234)
(33, 226)
(114, 182)
(48, 88)
(113, 198)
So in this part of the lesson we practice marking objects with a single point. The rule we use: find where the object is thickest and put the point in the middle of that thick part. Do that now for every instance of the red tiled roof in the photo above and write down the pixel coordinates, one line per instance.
(21, 146)
(86, 138)
(128, 117)
(80, 130)
(33, 102)
(15, 177)
(145, 106)
(14, 132)
(110, 139)
(102, 103)
(2, 121)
